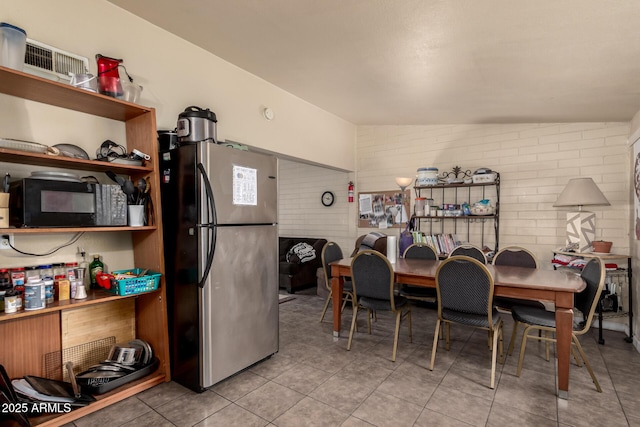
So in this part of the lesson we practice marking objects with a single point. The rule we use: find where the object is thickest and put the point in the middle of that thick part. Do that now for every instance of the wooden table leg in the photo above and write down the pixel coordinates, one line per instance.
(564, 327)
(337, 284)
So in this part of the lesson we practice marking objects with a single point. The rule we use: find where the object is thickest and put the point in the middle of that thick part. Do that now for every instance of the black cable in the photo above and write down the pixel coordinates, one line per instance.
(52, 251)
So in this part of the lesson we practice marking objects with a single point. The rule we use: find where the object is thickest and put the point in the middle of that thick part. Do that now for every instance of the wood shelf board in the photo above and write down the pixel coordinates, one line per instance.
(94, 297)
(75, 229)
(33, 88)
(37, 159)
(103, 400)
(26, 341)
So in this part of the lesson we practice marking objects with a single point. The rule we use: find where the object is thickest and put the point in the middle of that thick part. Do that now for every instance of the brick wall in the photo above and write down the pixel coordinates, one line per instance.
(535, 162)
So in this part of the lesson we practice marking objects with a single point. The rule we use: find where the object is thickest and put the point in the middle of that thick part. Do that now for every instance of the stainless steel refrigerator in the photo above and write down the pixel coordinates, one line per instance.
(219, 213)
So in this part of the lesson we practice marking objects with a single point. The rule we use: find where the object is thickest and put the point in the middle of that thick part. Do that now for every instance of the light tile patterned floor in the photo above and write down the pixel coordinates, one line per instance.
(314, 381)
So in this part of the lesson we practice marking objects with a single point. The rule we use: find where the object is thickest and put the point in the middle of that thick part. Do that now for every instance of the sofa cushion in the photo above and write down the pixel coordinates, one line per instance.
(284, 246)
(300, 253)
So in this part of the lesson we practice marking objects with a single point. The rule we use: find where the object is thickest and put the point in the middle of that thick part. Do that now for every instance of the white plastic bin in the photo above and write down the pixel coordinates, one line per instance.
(13, 46)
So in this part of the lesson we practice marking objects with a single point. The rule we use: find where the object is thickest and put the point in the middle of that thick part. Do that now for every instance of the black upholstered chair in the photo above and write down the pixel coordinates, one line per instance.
(515, 256)
(470, 251)
(465, 296)
(586, 302)
(419, 293)
(331, 252)
(373, 288)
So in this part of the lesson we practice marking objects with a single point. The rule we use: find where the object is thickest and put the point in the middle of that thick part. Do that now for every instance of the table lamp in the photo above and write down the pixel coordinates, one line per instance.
(581, 225)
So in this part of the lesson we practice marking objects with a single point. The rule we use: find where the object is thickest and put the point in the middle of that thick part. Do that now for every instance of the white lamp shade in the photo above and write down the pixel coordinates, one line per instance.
(581, 192)
(403, 182)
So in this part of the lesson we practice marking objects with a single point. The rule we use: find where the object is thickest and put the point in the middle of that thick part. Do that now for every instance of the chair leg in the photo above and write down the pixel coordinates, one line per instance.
(353, 326)
(344, 302)
(494, 353)
(501, 342)
(576, 357)
(435, 345)
(586, 363)
(522, 349)
(409, 321)
(326, 305)
(513, 338)
(369, 321)
(546, 345)
(395, 335)
(448, 331)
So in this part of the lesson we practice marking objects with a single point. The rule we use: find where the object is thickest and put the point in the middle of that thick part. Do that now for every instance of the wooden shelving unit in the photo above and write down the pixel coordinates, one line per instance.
(30, 335)
(457, 193)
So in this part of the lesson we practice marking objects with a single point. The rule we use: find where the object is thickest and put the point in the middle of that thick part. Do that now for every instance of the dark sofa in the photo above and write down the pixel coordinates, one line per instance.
(296, 273)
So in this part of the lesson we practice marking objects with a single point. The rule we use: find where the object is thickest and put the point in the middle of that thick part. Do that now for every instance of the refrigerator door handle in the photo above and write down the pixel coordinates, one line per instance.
(209, 227)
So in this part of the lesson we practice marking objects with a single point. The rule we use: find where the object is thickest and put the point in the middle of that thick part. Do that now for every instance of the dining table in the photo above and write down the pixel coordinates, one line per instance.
(557, 287)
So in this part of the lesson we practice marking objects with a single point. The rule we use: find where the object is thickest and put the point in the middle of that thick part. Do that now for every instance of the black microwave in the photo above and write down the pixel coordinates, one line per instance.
(52, 203)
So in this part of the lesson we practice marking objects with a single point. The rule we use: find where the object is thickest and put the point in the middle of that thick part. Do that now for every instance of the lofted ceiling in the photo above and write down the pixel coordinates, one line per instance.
(427, 61)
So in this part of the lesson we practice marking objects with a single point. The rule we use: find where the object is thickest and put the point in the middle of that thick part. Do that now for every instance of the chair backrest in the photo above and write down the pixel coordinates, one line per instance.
(470, 251)
(372, 241)
(420, 251)
(372, 276)
(330, 252)
(465, 285)
(587, 301)
(515, 256)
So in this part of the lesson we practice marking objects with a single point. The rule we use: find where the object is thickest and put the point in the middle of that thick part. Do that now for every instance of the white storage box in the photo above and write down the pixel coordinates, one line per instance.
(485, 178)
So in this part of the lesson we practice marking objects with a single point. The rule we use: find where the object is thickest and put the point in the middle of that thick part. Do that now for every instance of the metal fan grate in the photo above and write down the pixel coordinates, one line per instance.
(83, 357)
(48, 61)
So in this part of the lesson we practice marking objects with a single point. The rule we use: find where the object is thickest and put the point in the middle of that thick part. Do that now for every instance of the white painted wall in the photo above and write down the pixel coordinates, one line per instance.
(301, 214)
(174, 74)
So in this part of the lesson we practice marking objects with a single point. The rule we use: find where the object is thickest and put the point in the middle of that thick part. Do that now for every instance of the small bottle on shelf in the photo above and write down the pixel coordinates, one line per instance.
(95, 267)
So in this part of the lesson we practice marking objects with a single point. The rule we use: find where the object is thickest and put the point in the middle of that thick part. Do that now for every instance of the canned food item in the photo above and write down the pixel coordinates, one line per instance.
(59, 269)
(31, 272)
(48, 291)
(17, 276)
(34, 294)
(46, 271)
(71, 270)
(11, 301)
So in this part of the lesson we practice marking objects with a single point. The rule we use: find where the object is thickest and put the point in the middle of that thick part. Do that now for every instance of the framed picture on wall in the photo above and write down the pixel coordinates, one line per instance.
(383, 209)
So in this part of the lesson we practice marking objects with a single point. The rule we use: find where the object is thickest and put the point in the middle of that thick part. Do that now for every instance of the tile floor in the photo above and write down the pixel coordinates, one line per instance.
(314, 381)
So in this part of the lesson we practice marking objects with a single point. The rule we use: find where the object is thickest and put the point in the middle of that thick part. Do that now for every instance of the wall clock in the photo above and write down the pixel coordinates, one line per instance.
(327, 198)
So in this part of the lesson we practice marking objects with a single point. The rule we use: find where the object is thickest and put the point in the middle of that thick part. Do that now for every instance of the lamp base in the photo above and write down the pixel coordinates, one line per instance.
(581, 229)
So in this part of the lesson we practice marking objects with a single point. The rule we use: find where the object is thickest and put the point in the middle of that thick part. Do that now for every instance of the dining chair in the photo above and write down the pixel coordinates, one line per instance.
(331, 252)
(419, 293)
(470, 251)
(373, 289)
(465, 296)
(586, 302)
(515, 256)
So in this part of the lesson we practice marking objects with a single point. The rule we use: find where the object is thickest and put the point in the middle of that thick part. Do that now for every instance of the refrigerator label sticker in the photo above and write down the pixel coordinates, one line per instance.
(245, 186)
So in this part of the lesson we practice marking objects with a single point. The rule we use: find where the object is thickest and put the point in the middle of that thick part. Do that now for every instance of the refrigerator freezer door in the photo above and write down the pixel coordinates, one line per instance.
(239, 302)
(244, 184)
